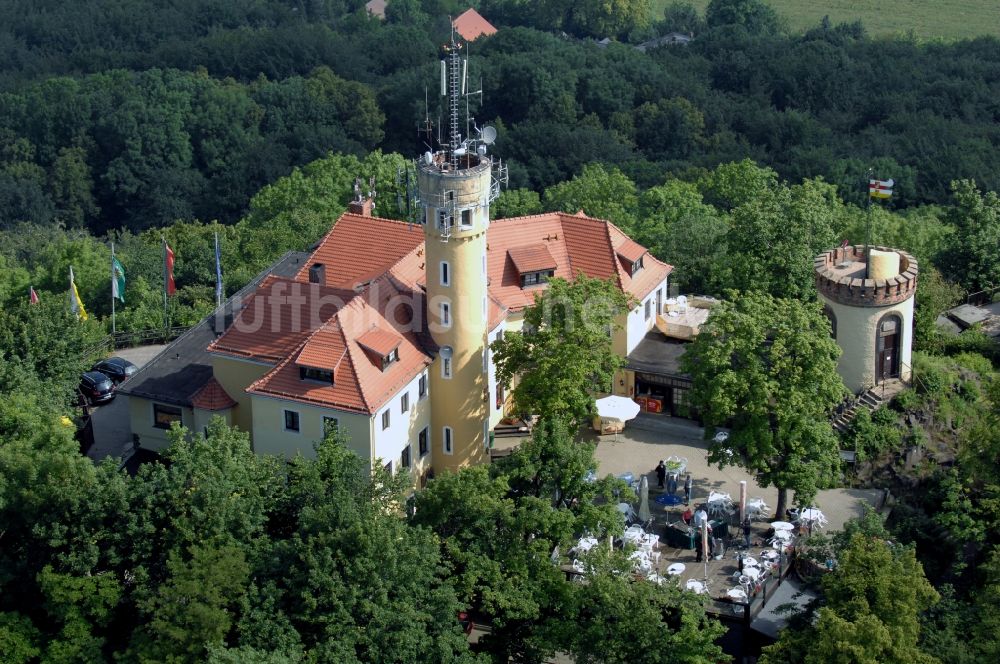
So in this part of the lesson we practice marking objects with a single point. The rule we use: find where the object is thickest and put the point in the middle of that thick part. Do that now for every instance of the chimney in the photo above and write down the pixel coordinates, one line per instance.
(317, 273)
(362, 207)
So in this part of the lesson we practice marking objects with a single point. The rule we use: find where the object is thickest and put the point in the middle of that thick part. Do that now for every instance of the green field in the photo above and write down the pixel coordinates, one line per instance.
(951, 19)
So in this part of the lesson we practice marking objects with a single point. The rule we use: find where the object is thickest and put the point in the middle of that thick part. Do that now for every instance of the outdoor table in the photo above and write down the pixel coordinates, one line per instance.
(813, 516)
(633, 535)
(649, 541)
(737, 594)
(782, 525)
(675, 465)
(695, 586)
(586, 544)
(641, 560)
(750, 561)
(770, 555)
(676, 569)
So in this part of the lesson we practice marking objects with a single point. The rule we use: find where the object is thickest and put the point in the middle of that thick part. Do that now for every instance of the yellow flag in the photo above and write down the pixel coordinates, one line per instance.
(75, 303)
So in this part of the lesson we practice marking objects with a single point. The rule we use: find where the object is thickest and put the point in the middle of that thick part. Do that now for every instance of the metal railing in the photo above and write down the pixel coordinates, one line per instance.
(132, 339)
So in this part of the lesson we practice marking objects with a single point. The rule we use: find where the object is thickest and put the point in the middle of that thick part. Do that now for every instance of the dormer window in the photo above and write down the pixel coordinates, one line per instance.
(630, 256)
(534, 264)
(535, 278)
(316, 375)
(381, 347)
(393, 356)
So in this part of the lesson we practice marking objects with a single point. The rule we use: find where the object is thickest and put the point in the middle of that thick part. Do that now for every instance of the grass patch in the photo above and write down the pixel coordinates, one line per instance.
(949, 19)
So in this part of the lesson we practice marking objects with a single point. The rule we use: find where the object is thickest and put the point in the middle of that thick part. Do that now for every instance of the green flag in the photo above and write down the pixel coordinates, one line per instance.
(117, 280)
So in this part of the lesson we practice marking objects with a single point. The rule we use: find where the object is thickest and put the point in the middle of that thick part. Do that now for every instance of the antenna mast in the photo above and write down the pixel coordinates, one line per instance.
(453, 62)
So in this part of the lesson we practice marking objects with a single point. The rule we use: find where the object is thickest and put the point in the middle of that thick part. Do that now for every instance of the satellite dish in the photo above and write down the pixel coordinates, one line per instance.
(488, 135)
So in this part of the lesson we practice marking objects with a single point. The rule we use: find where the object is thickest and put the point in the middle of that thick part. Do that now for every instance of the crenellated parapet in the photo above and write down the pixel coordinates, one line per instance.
(841, 276)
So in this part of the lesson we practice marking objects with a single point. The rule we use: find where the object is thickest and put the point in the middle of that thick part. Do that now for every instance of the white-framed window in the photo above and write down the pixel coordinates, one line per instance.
(330, 424)
(291, 421)
(385, 419)
(424, 442)
(445, 314)
(422, 386)
(467, 218)
(445, 273)
(404, 402)
(446, 352)
(404, 459)
(446, 441)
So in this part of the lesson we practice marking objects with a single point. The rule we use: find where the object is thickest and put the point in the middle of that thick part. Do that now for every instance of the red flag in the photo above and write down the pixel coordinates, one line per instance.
(32, 295)
(168, 268)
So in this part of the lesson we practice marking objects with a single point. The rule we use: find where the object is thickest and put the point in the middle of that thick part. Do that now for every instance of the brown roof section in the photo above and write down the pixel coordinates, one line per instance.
(532, 258)
(359, 249)
(471, 25)
(380, 341)
(211, 396)
(277, 317)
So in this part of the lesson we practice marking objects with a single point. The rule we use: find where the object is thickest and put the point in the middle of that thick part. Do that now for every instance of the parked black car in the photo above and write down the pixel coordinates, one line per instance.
(117, 369)
(96, 387)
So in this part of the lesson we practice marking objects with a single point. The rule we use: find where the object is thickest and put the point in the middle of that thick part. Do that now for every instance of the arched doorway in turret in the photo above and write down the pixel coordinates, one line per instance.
(887, 347)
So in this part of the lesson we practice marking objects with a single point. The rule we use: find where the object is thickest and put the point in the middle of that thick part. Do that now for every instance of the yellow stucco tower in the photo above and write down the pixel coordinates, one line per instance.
(456, 184)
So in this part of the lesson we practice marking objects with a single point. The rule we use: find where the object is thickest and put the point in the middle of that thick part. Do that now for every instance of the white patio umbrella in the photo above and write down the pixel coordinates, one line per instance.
(619, 408)
(644, 515)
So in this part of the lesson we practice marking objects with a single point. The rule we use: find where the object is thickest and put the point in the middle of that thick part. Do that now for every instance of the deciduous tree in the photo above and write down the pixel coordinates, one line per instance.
(768, 368)
(564, 354)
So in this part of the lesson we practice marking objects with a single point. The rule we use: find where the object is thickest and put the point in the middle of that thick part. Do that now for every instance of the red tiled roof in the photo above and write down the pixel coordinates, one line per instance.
(359, 249)
(532, 258)
(359, 383)
(630, 250)
(322, 352)
(379, 341)
(211, 396)
(277, 317)
(471, 25)
(653, 272)
(388, 257)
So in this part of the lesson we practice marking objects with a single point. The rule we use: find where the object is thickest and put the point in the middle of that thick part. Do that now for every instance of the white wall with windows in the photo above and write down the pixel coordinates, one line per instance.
(496, 413)
(404, 426)
(637, 323)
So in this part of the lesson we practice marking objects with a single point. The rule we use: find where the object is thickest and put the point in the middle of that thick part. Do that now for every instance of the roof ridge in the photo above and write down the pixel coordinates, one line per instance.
(619, 270)
(354, 370)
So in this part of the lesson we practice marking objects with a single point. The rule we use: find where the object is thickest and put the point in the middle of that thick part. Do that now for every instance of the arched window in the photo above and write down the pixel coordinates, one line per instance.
(832, 317)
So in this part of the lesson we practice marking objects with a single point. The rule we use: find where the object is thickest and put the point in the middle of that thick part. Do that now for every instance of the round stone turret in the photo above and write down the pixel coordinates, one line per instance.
(870, 307)
(842, 276)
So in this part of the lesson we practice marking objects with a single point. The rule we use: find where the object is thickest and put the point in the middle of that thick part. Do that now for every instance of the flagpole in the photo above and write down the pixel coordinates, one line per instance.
(218, 274)
(868, 226)
(166, 319)
(114, 281)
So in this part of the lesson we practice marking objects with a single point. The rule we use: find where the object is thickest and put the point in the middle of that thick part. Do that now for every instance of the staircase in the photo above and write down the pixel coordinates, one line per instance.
(519, 428)
(871, 399)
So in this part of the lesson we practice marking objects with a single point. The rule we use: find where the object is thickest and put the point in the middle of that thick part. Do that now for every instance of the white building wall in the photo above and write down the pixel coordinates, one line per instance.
(496, 414)
(404, 427)
(636, 324)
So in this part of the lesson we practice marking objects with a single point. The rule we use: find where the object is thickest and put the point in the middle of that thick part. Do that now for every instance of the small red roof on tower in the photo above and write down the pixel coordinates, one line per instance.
(212, 396)
(471, 25)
